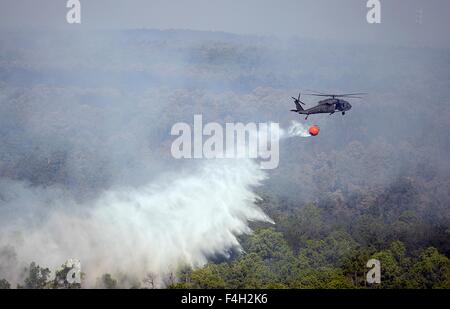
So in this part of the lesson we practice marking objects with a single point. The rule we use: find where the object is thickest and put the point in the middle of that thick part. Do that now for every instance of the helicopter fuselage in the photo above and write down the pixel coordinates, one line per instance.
(327, 106)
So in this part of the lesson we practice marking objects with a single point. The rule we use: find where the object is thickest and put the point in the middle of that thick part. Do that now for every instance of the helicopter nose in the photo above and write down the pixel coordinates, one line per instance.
(349, 106)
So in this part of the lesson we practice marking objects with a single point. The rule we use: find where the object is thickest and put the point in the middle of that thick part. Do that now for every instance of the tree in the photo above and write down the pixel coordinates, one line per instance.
(306, 223)
(328, 251)
(4, 284)
(354, 266)
(60, 281)
(269, 245)
(274, 251)
(432, 270)
(36, 277)
(248, 272)
(109, 282)
(149, 281)
(322, 278)
(370, 231)
(208, 277)
(391, 272)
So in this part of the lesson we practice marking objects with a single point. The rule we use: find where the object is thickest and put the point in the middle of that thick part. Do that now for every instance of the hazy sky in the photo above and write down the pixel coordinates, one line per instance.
(401, 23)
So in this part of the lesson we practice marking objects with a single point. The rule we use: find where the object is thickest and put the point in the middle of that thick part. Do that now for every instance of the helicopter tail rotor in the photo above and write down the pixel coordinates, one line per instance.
(298, 102)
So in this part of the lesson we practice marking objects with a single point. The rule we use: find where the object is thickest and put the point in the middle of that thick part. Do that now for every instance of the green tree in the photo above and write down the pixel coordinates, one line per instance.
(432, 270)
(391, 272)
(305, 224)
(209, 277)
(326, 252)
(37, 277)
(322, 278)
(354, 265)
(274, 251)
(249, 272)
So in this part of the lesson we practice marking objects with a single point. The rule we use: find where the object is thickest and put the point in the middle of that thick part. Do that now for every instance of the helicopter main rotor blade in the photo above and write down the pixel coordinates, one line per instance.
(319, 95)
(350, 94)
(317, 92)
(336, 95)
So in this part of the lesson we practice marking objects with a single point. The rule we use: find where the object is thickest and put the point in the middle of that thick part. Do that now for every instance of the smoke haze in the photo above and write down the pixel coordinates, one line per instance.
(85, 118)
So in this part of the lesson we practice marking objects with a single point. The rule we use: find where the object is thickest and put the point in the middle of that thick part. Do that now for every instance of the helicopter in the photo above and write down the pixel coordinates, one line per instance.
(330, 105)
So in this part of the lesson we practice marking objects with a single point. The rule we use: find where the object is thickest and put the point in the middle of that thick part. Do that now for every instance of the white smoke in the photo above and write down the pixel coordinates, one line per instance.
(295, 129)
(153, 229)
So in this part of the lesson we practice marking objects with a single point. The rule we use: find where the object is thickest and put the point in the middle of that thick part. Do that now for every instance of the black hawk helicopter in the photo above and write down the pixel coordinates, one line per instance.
(327, 106)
